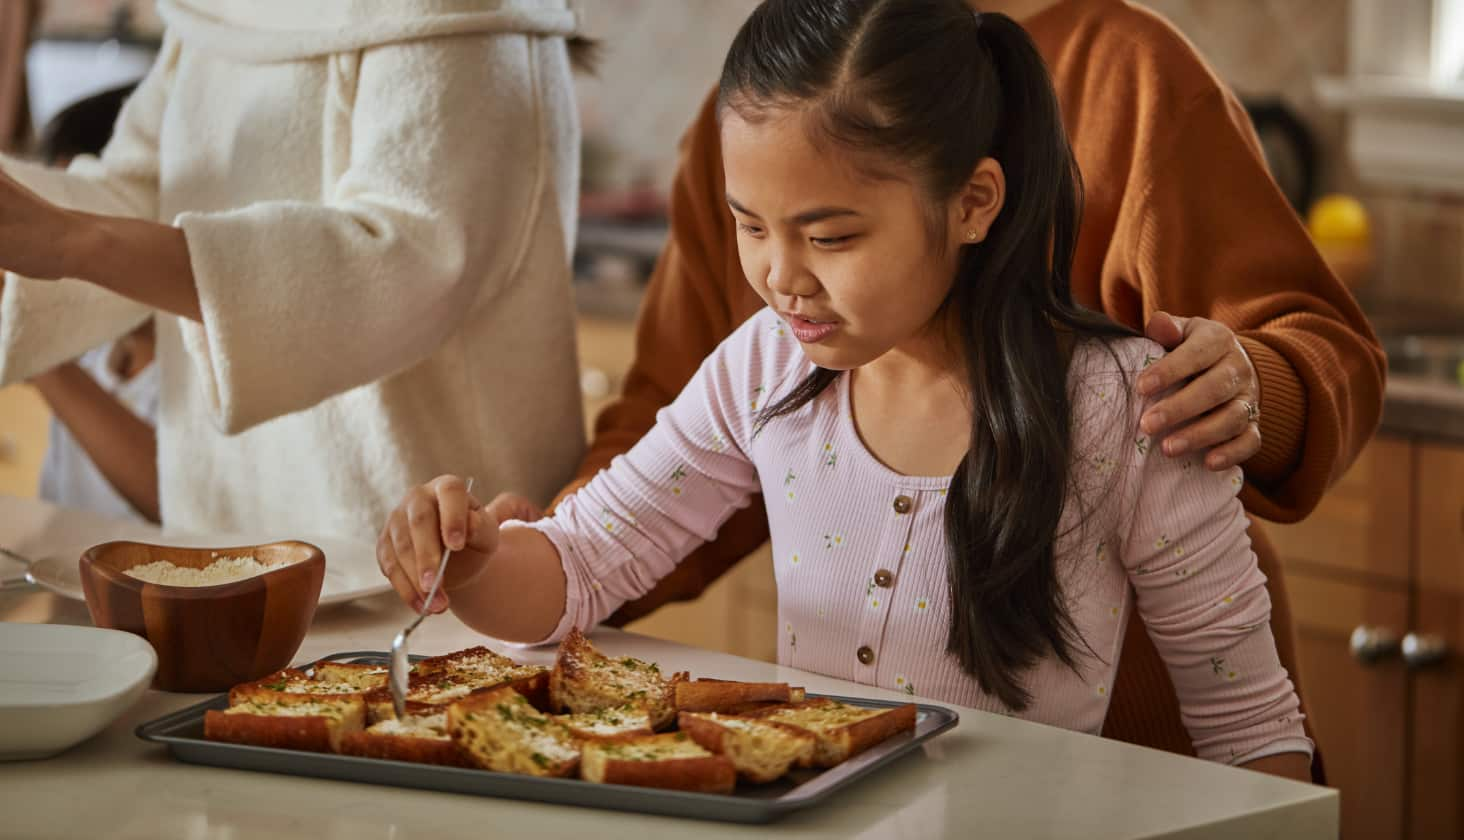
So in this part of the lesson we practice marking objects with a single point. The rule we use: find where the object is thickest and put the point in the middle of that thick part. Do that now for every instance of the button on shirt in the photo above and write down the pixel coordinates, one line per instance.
(860, 554)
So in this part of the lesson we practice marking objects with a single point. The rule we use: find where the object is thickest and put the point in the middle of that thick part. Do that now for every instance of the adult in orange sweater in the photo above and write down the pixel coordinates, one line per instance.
(1180, 217)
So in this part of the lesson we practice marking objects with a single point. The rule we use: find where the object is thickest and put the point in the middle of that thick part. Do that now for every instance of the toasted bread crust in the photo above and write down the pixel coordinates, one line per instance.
(705, 695)
(315, 732)
(363, 677)
(404, 748)
(838, 743)
(706, 773)
(499, 730)
(585, 680)
(759, 760)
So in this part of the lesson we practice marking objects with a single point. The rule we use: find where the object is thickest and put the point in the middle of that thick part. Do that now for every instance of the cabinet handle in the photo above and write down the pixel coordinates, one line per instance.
(1371, 644)
(1423, 650)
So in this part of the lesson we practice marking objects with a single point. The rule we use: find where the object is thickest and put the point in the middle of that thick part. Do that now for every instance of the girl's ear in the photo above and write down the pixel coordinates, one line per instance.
(977, 204)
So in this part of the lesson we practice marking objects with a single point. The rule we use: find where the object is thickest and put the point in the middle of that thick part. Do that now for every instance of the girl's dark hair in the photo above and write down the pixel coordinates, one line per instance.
(936, 87)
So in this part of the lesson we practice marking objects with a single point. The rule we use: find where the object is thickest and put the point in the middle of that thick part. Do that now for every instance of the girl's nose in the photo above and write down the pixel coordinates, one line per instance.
(791, 278)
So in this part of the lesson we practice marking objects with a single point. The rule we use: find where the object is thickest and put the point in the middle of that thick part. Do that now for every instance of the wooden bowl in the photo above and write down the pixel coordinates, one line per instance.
(208, 638)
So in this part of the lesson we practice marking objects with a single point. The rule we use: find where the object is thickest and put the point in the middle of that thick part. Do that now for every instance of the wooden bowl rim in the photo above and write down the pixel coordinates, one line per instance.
(90, 559)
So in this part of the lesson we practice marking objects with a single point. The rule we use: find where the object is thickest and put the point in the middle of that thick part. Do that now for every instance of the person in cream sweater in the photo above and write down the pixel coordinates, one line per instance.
(353, 222)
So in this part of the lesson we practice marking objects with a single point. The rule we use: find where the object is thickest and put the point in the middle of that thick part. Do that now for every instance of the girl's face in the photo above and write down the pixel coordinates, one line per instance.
(848, 261)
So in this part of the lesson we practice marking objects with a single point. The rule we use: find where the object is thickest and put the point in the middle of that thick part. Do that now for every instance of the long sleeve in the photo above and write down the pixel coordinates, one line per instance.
(629, 527)
(1217, 238)
(697, 296)
(442, 163)
(1204, 602)
(43, 324)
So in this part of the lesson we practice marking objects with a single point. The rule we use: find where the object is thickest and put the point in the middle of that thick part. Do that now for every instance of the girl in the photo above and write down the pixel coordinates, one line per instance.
(961, 497)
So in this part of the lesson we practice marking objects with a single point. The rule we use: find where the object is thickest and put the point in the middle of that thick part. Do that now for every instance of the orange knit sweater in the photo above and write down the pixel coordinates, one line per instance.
(1180, 214)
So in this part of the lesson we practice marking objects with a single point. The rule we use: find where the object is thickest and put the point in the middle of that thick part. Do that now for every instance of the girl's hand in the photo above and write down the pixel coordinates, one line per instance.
(510, 506)
(438, 514)
(1219, 407)
(35, 235)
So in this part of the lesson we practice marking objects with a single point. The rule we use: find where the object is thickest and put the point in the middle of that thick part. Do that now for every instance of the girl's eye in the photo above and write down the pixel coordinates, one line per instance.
(829, 241)
(750, 230)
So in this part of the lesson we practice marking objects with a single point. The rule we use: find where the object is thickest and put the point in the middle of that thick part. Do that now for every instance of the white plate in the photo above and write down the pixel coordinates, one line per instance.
(350, 570)
(55, 537)
(60, 684)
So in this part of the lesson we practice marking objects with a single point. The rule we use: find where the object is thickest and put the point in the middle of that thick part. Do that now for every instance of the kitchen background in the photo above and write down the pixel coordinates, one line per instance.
(1364, 99)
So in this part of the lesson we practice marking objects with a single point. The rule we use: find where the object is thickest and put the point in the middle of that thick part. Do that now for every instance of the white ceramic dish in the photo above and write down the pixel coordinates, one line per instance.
(61, 684)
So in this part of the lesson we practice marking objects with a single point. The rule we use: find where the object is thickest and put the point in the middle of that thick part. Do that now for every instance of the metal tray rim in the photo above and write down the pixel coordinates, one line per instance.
(706, 806)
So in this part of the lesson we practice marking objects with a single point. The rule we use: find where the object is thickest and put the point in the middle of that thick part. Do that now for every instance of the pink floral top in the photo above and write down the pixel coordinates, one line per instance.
(860, 554)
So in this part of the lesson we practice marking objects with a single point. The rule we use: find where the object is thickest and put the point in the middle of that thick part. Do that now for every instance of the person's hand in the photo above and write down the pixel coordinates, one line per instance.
(1218, 408)
(35, 235)
(507, 506)
(433, 515)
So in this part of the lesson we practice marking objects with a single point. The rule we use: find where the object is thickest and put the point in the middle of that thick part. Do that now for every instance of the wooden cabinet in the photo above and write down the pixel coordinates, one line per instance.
(1376, 577)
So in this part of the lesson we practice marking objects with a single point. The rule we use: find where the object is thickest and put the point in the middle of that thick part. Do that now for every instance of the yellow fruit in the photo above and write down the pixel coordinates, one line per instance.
(1338, 219)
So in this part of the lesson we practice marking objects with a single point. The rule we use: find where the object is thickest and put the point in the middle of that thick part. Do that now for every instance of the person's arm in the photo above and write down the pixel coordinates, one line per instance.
(607, 543)
(1203, 600)
(433, 209)
(696, 297)
(45, 324)
(123, 447)
(1216, 238)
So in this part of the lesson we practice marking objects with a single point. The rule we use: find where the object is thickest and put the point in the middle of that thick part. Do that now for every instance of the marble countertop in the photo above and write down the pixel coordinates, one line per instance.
(991, 776)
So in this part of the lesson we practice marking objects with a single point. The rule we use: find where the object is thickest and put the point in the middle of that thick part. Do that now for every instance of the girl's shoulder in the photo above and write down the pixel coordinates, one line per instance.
(1103, 374)
(762, 352)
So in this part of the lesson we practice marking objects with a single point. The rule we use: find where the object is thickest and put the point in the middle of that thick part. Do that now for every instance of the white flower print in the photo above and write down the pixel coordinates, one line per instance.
(1141, 443)
(607, 519)
(1149, 360)
(717, 443)
(1218, 666)
(794, 559)
(830, 457)
(874, 602)
(788, 484)
(833, 540)
(1102, 690)
(902, 683)
(1162, 542)
(1101, 552)
(922, 604)
(1103, 465)
(676, 476)
(779, 329)
(756, 397)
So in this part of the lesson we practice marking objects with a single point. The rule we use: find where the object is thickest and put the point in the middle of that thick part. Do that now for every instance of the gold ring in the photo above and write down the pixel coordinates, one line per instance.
(1252, 411)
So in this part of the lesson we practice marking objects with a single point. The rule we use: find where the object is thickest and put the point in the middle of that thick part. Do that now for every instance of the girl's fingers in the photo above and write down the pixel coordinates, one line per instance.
(452, 510)
(386, 560)
(506, 506)
(426, 535)
(1216, 428)
(482, 531)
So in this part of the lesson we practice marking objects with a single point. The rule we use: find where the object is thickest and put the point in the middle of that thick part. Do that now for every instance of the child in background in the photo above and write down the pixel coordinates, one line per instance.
(102, 452)
(960, 493)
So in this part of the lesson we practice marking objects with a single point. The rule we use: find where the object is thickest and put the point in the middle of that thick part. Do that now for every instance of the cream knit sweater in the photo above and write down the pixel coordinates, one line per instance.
(379, 202)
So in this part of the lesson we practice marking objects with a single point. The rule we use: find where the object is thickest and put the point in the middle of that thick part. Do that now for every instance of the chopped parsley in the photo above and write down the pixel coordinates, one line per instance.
(539, 759)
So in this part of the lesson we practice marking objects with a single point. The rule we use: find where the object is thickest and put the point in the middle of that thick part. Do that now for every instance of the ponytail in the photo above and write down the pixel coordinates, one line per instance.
(939, 87)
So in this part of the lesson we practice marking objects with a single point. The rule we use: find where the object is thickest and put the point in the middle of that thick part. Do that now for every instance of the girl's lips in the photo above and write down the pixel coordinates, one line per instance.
(810, 332)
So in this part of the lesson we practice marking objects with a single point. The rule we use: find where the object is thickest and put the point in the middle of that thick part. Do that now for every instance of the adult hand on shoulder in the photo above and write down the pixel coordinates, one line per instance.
(430, 517)
(1218, 407)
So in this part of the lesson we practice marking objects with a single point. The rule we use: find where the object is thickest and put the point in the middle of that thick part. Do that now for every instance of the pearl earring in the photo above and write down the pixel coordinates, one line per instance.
(971, 235)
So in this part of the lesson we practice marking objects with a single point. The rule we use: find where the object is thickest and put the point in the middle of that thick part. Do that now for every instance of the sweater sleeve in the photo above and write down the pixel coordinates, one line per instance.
(1218, 239)
(448, 160)
(43, 324)
(1204, 600)
(629, 526)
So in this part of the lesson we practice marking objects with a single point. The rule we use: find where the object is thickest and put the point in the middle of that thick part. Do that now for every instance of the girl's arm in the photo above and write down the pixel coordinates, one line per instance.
(1203, 599)
(617, 536)
(123, 447)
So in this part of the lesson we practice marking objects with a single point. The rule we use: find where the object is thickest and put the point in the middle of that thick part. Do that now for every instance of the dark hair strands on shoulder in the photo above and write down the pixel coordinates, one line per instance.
(935, 87)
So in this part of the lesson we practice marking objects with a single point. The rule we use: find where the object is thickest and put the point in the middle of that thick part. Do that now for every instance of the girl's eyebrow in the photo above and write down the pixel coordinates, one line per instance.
(807, 217)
